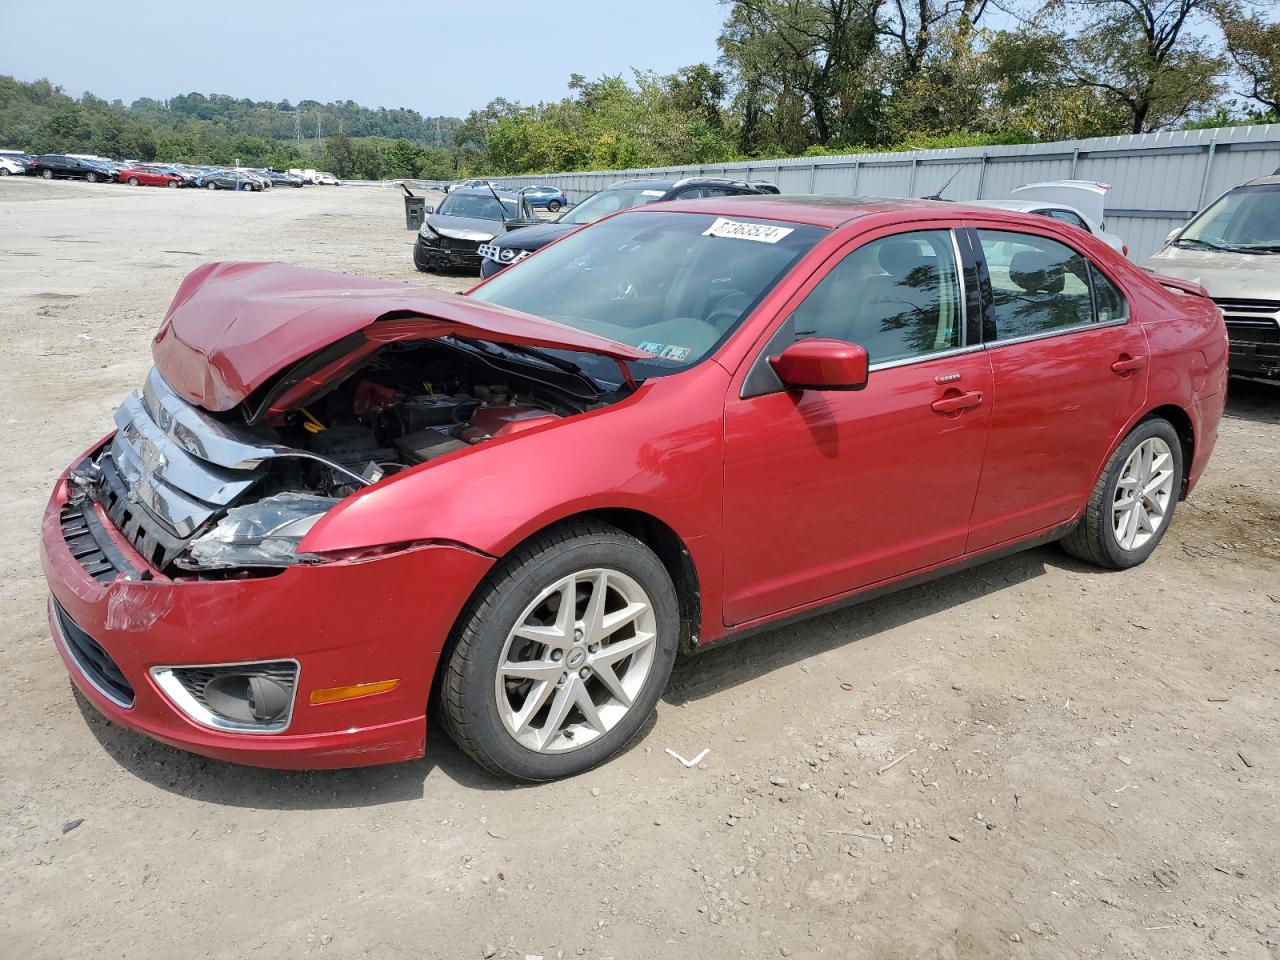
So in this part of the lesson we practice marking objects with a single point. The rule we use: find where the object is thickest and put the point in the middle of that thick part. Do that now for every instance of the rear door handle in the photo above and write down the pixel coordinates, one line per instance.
(956, 402)
(1127, 364)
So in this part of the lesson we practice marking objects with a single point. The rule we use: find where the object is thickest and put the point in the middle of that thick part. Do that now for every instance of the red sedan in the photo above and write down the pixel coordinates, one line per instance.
(150, 177)
(336, 501)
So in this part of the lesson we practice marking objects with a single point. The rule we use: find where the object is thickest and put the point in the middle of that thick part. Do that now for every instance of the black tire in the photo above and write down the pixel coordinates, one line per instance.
(465, 692)
(91, 177)
(173, 184)
(553, 205)
(211, 185)
(4, 171)
(47, 174)
(1093, 538)
(133, 181)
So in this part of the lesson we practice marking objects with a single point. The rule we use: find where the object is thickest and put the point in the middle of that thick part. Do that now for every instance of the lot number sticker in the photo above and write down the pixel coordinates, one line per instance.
(733, 229)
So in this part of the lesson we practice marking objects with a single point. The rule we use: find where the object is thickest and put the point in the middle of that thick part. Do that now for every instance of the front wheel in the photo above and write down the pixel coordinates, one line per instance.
(91, 177)
(562, 656)
(47, 174)
(133, 181)
(173, 184)
(1133, 502)
(211, 185)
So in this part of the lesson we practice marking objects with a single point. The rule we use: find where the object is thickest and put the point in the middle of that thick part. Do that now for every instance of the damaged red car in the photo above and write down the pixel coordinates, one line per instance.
(339, 506)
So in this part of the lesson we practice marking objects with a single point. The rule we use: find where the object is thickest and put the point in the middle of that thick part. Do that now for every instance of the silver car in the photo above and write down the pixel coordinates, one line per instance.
(1232, 249)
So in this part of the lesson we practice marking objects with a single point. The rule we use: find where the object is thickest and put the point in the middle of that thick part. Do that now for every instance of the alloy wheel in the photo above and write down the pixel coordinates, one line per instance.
(576, 661)
(1143, 495)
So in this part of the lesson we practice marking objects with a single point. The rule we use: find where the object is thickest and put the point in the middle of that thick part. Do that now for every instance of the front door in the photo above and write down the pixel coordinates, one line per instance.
(826, 492)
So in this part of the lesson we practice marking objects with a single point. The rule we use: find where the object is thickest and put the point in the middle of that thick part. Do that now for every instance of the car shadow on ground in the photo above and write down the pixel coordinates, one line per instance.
(1253, 401)
(737, 662)
(718, 669)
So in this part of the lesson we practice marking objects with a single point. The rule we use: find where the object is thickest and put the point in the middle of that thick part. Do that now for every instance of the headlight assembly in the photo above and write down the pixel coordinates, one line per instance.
(262, 534)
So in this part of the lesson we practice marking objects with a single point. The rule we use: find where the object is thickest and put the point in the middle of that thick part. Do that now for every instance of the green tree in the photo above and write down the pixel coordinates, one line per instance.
(1254, 48)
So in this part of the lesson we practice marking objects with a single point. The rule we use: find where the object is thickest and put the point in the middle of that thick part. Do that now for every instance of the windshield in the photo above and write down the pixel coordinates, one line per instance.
(479, 206)
(1246, 219)
(605, 202)
(672, 284)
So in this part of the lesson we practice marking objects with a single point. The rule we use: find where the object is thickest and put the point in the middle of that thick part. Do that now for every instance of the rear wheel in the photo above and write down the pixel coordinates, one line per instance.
(4, 171)
(561, 658)
(553, 205)
(1132, 505)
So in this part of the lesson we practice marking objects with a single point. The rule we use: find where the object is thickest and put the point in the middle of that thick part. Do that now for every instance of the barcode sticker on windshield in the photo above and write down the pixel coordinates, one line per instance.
(734, 229)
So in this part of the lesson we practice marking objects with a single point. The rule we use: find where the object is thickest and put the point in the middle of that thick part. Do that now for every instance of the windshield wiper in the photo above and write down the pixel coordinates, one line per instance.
(551, 360)
(1210, 245)
(502, 209)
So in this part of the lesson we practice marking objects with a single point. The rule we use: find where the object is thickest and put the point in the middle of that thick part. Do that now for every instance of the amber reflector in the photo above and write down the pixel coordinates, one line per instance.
(352, 692)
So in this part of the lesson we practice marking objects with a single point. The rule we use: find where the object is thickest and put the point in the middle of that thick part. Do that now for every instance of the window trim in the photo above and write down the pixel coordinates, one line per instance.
(988, 305)
(760, 379)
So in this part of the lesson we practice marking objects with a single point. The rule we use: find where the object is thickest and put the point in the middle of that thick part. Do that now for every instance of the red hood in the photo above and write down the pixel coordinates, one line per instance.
(232, 326)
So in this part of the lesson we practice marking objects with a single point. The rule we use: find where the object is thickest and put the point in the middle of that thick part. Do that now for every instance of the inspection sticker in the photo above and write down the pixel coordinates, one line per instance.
(760, 232)
(648, 346)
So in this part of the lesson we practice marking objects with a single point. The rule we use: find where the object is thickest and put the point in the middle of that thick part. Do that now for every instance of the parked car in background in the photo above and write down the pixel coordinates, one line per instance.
(281, 179)
(325, 179)
(550, 198)
(472, 184)
(675, 426)
(12, 166)
(60, 166)
(1232, 249)
(1080, 203)
(518, 244)
(147, 176)
(450, 236)
(228, 180)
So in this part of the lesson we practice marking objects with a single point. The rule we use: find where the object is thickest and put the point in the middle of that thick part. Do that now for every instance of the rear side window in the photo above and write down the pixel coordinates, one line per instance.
(1066, 216)
(1107, 297)
(897, 297)
(1037, 285)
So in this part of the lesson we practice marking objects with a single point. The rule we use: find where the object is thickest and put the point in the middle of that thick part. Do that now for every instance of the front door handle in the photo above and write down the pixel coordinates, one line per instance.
(955, 402)
(1127, 364)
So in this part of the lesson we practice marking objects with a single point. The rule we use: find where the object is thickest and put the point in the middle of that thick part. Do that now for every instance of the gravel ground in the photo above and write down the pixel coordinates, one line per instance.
(1088, 759)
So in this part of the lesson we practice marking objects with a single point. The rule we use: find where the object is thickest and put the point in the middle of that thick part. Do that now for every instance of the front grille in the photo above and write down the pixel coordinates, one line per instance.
(94, 662)
(82, 543)
(1252, 331)
(1245, 305)
(1251, 321)
(157, 545)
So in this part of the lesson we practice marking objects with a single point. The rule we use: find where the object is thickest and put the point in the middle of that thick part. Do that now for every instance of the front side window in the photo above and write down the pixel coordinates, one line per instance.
(675, 285)
(1037, 285)
(897, 297)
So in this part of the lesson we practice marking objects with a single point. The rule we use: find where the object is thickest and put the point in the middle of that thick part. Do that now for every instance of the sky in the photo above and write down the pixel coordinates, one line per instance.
(440, 58)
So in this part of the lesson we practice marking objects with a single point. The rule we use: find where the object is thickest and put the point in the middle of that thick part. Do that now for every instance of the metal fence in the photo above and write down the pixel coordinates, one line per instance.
(1158, 180)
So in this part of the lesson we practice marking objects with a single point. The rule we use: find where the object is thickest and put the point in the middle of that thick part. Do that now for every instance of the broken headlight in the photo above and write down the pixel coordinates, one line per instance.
(262, 534)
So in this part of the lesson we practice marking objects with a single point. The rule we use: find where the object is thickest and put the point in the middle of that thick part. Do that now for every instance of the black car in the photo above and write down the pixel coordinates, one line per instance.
(450, 235)
(229, 180)
(281, 179)
(51, 165)
(519, 244)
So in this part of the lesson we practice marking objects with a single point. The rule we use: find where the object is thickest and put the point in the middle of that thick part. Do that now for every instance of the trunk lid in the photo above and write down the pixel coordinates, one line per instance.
(233, 326)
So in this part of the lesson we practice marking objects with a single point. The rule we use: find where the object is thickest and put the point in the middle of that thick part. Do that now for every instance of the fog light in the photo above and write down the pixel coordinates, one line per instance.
(239, 697)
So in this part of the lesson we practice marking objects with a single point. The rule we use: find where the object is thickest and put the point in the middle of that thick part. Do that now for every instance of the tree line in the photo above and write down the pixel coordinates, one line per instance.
(835, 76)
(793, 77)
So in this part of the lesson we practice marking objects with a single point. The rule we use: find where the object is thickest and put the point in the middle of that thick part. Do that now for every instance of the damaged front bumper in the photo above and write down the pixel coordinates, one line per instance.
(446, 254)
(118, 623)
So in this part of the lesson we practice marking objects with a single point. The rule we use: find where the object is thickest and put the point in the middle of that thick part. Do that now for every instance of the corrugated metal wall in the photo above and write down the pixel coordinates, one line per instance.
(1158, 180)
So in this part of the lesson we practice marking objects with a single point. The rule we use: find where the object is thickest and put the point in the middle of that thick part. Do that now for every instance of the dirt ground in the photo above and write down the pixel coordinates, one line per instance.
(1088, 764)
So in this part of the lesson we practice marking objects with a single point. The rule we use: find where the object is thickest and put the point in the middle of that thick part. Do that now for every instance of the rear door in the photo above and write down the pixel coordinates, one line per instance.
(1069, 368)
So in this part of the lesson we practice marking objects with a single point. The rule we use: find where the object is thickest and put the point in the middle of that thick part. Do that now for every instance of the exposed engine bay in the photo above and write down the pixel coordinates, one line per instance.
(216, 494)
(413, 404)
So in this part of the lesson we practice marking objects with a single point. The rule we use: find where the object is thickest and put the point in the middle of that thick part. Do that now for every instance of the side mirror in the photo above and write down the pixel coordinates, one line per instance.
(428, 209)
(820, 364)
(1173, 235)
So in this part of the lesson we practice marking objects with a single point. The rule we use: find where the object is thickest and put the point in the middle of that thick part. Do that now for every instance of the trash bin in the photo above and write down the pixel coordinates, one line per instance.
(414, 211)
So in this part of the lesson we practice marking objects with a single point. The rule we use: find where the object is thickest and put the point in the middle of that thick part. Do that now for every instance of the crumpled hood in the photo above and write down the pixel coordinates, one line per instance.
(534, 238)
(464, 228)
(232, 326)
(1225, 275)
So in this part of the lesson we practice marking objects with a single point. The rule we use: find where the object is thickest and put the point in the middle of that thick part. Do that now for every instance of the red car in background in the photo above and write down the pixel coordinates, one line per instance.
(337, 501)
(144, 176)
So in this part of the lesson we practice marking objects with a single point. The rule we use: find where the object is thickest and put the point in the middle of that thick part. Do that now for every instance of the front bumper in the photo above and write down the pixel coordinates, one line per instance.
(1261, 360)
(458, 255)
(344, 623)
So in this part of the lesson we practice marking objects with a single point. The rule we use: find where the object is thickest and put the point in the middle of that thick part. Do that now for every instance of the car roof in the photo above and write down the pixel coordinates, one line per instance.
(835, 211)
(1263, 181)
